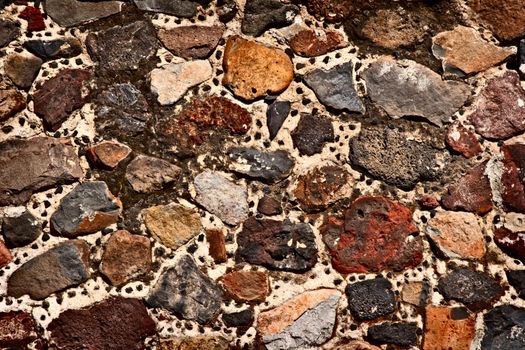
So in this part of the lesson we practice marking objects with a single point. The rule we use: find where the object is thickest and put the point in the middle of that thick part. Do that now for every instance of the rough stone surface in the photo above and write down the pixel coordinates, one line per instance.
(216, 246)
(354, 345)
(22, 69)
(11, 102)
(52, 49)
(34, 18)
(504, 328)
(191, 41)
(260, 15)
(311, 134)
(21, 230)
(311, 44)
(108, 154)
(148, 174)
(510, 242)
(70, 13)
(462, 140)
(276, 114)
(371, 299)
(239, 319)
(90, 207)
(521, 57)
(196, 343)
(397, 333)
(513, 178)
(269, 206)
(331, 10)
(250, 286)
(516, 279)
(226, 10)
(5, 255)
(428, 202)
(447, 328)
(376, 234)
(9, 31)
(17, 329)
(279, 245)
(179, 8)
(415, 293)
(506, 20)
(266, 166)
(63, 266)
(187, 292)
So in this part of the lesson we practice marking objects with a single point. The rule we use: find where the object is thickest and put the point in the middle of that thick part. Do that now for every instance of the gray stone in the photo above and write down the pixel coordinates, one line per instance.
(371, 299)
(179, 8)
(335, 88)
(9, 31)
(148, 174)
(22, 69)
(267, 166)
(311, 134)
(473, 288)
(21, 230)
(51, 49)
(276, 114)
(68, 13)
(261, 15)
(504, 328)
(187, 292)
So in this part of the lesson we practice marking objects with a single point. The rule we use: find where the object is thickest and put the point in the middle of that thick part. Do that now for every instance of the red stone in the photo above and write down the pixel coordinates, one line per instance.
(462, 140)
(374, 236)
(308, 43)
(34, 18)
(512, 243)
(513, 177)
(5, 255)
(247, 285)
(17, 329)
(217, 248)
(428, 202)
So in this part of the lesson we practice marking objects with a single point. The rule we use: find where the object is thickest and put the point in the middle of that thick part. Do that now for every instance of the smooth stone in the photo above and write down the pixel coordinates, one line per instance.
(69, 13)
(52, 49)
(108, 154)
(148, 174)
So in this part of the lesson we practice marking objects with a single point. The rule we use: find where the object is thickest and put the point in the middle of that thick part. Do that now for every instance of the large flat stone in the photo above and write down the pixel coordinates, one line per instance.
(69, 13)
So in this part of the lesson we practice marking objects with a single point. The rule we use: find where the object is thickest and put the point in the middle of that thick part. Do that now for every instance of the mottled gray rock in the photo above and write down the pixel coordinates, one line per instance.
(221, 197)
(68, 13)
(179, 8)
(21, 230)
(335, 88)
(260, 15)
(371, 299)
(51, 49)
(397, 333)
(148, 174)
(22, 69)
(276, 114)
(311, 134)
(187, 292)
(504, 328)
(9, 31)
(267, 166)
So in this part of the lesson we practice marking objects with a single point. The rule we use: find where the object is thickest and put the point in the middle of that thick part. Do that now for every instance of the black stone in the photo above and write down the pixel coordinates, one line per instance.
(504, 328)
(312, 132)
(238, 319)
(21, 230)
(226, 10)
(276, 115)
(371, 299)
(397, 333)
(9, 31)
(267, 166)
(261, 15)
(51, 49)
(516, 279)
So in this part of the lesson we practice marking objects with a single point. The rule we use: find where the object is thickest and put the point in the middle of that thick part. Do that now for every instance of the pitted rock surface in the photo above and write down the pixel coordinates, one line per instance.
(371, 299)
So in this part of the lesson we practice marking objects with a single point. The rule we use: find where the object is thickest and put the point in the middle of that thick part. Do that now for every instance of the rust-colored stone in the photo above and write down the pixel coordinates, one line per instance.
(108, 153)
(447, 328)
(462, 140)
(511, 242)
(17, 329)
(11, 102)
(428, 202)
(191, 41)
(513, 178)
(251, 286)
(308, 43)
(34, 18)
(505, 18)
(5, 255)
(217, 249)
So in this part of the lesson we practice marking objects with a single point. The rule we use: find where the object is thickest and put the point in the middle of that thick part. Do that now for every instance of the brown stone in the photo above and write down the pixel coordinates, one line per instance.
(506, 18)
(17, 329)
(191, 41)
(354, 345)
(428, 202)
(108, 153)
(447, 328)
(462, 140)
(415, 293)
(5, 255)
(11, 102)
(310, 44)
(196, 343)
(148, 174)
(253, 70)
(513, 178)
(250, 286)
(216, 247)
(511, 242)
(22, 69)
(125, 257)
(269, 206)
(330, 10)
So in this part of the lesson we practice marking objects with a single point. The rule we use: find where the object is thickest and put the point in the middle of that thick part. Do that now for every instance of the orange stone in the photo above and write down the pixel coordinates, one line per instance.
(108, 153)
(447, 328)
(247, 285)
(5, 255)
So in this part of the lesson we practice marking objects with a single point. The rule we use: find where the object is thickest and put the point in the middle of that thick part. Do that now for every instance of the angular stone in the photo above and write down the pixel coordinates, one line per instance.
(22, 69)
(52, 162)
(506, 20)
(196, 343)
(397, 333)
(89, 208)
(415, 293)
(11, 102)
(9, 31)
(226, 10)
(187, 292)
(125, 257)
(311, 44)
(321, 186)
(371, 299)
(457, 235)
(216, 243)
(21, 230)
(221, 197)
(463, 50)
(269, 71)
(247, 286)
(108, 154)
(516, 279)
(17, 329)
(269, 206)
(428, 202)
(447, 328)
(34, 18)
(406, 88)
(510, 242)
(278, 245)
(172, 224)
(5, 255)
(462, 140)
(243, 318)
(172, 81)
(499, 109)
(59, 96)
(148, 174)
(179, 8)
(513, 178)
(276, 114)
(69, 13)
(305, 321)
(335, 88)
(354, 345)
(114, 322)
(266, 166)
(311, 134)
(61, 267)
(191, 41)
(504, 329)
(261, 15)
(52, 49)
(376, 234)
(330, 10)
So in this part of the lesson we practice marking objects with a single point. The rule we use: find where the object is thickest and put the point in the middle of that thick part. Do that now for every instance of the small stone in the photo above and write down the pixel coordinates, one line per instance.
(521, 58)
(187, 292)
(172, 81)
(179, 8)
(513, 178)
(243, 318)
(21, 230)
(266, 166)
(447, 328)
(11, 102)
(516, 279)
(504, 329)
(34, 18)
(191, 42)
(457, 235)
(196, 343)
(53, 162)
(499, 109)
(473, 288)
(52, 49)
(510, 242)
(321, 186)
(261, 15)
(397, 333)
(226, 10)
(311, 134)
(279, 245)
(276, 114)
(310, 44)
(59, 96)
(463, 51)
(22, 69)
(371, 299)
(172, 224)
(17, 329)
(390, 82)
(428, 202)
(108, 153)
(149, 174)
(462, 140)
(269, 71)
(472, 192)
(415, 293)
(247, 286)
(114, 322)
(89, 208)
(125, 257)
(269, 206)
(61, 267)
(330, 10)
(216, 246)
(335, 88)
(354, 345)
(69, 13)
(376, 234)
(9, 31)
(5, 255)
(506, 20)
(305, 321)
(221, 197)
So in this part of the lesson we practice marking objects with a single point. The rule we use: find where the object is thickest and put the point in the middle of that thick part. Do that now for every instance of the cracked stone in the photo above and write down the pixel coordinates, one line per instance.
(22, 69)
(261, 15)
(506, 20)
(309, 43)
(462, 140)
(513, 178)
(179, 8)
(11, 102)
(148, 174)
(21, 230)
(9, 31)
(311, 134)
(504, 328)
(397, 333)
(52, 49)
(69, 13)
(191, 41)
(371, 299)
(17, 329)
(448, 328)
(276, 114)
(108, 154)
(247, 286)
(266, 166)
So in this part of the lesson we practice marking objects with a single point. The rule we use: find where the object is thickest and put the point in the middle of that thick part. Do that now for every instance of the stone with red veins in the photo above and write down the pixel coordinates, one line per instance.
(34, 18)
(5, 255)
(11, 102)
(191, 41)
(506, 19)
(17, 329)
(310, 44)
(471, 192)
(448, 328)
(462, 140)
(376, 234)
(250, 286)
(499, 109)
(59, 96)
(108, 153)
(148, 174)
(511, 242)
(513, 178)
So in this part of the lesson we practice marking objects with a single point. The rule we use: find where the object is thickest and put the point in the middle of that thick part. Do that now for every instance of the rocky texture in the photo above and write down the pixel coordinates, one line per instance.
(5, 255)
(34, 18)
(311, 134)
(371, 299)
(70, 13)
(187, 292)
(216, 246)
(506, 20)
(516, 279)
(447, 328)
(125, 257)
(172, 224)
(376, 234)
(462, 140)
(521, 57)
(9, 31)
(415, 293)
(63, 266)
(17, 329)
(513, 178)
(260, 15)
(195, 343)
(22, 69)
(108, 154)
(52, 162)
(397, 333)
(309, 43)
(406, 88)
(90, 207)
(428, 202)
(191, 42)
(253, 70)
(239, 319)
(226, 10)
(11, 102)
(302, 322)
(221, 197)
(114, 322)
(179, 8)
(279, 245)
(276, 114)
(354, 345)
(331, 10)
(504, 328)
(21, 230)
(266, 166)
(510, 242)
(250, 286)
(148, 174)
(269, 206)
(52, 49)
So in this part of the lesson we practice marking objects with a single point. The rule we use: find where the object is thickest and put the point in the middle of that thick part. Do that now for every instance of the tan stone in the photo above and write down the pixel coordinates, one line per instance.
(253, 70)
(247, 285)
(108, 153)
(195, 343)
(447, 328)
(412, 293)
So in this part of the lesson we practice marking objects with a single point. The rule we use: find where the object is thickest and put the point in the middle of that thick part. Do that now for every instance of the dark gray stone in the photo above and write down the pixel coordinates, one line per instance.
(312, 132)
(371, 299)
(179, 8)
(276, 115)
(9, 31)
(68, 13)
(52, 49)
(21, 230)
(516, 279)
(226, 10)
(397, 333)
(504, 328)
(242, 318)
(261, 15)
(267, 166)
